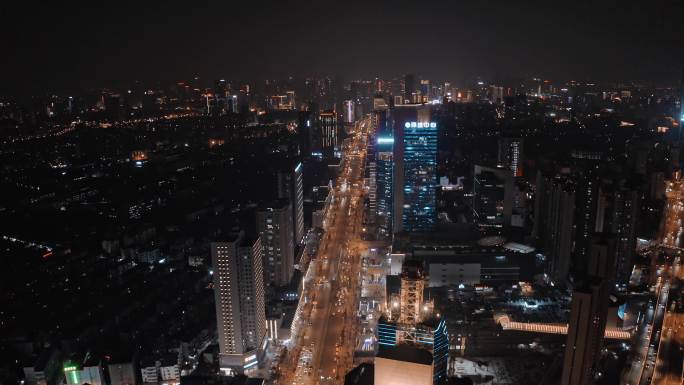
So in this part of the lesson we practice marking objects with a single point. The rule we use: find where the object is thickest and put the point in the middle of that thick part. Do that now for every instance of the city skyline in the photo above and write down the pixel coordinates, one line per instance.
(93, 47)
(342, 193)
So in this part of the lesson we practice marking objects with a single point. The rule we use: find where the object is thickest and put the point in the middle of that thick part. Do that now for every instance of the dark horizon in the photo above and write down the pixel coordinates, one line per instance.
(65, 48)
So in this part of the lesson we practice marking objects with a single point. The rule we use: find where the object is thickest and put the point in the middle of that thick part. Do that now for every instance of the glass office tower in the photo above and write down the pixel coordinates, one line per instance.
(420, 176)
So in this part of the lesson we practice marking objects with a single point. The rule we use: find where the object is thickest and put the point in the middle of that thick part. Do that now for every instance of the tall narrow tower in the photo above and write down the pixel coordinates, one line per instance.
(291, 187)
(274, 225)
(588, 315)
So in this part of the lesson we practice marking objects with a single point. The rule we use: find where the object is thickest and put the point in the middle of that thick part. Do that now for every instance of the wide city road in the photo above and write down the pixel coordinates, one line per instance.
(658, 354)
(325, 350)
(672, 226)
(667, 365)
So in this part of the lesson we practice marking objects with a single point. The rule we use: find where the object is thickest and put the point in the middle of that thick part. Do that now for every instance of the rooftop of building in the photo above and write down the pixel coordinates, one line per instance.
(406, 353)
(457, 240)
(431, 321)
(239, 223)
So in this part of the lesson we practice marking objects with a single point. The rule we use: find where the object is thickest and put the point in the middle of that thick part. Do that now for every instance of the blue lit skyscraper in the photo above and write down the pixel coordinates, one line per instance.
(415, 169)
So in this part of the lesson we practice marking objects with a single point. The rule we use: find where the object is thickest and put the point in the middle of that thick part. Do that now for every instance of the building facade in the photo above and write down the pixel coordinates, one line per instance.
(585, 333)
(588, 314)
(122, 373)
(274, 225)
(291, 187)
(384, 167)
(554, 223)
(415, 169)
(239, 298)
(510, 155)
(493, 191)
(348, 112)
(623, 225)
(328, 126)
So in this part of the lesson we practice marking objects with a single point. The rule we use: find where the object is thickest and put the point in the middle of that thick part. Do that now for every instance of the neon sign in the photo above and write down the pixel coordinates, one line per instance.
(420, 125)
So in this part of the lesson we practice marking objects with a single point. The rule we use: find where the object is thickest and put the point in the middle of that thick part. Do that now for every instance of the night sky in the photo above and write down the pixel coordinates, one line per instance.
(69, 46)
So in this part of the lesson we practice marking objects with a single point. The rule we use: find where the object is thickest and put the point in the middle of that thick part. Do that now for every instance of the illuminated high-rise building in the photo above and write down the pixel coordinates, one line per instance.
(348, 112)
(415, 168)
(328, 126)
(372, 189)
(586, 211)
(274, 225)
(239, 300)
(624, 226)
(384, 161)
(291, 187)
(510, 154)
(384, 166)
